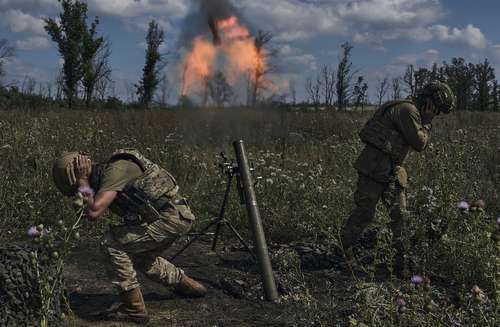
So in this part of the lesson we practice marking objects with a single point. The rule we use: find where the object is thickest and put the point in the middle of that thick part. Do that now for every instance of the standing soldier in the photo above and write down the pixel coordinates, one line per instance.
(146, 196)
(395, 128)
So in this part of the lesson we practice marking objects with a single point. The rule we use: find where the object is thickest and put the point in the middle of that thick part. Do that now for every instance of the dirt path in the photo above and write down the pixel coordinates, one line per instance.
(92, 291)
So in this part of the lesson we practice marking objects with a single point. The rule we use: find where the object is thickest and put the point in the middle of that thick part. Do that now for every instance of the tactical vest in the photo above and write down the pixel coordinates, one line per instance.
(145, 197)
(380, 133)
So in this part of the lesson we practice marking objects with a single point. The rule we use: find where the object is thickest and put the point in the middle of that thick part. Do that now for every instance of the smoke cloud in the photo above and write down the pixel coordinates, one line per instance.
(215, 38)
(198, 21)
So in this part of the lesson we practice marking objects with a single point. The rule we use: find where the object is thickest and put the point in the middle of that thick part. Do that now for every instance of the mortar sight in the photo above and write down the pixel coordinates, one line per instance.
(227, 166)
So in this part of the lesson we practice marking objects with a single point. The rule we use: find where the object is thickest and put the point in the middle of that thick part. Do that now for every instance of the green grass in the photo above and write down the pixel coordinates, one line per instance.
(305, 160)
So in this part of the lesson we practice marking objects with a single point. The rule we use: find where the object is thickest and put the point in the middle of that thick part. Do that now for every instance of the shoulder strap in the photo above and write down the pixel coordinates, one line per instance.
(131, 154)
(144, 163)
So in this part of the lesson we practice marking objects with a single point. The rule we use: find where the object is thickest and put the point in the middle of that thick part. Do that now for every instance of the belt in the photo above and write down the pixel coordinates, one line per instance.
(164, 202)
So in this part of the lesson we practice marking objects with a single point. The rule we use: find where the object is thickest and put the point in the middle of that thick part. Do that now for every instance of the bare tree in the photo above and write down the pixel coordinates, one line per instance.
(344, 77)
(41, 90)
(205, 92)
(409, 81)
(293, 91)
(313, 90)
(48, 87)
(103, 88)
(131, 92)
(164, 91)
(381, 89)
(28, 86)
(97, 71)
(59, 82)
(220, 90)
(6, 52)
(328, 83)
(360, 92)
(263, 67)
(396, 89)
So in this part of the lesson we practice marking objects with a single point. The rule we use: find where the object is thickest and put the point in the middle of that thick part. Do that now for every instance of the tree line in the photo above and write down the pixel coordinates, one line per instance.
(474, 84)
(86, 75)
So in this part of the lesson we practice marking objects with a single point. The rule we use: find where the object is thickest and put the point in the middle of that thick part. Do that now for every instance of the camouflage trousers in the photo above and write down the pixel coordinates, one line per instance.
(130, 247)
(369, 192)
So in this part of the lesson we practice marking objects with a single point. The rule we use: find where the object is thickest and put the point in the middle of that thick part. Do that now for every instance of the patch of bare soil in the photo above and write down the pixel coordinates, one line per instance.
(234, 290)
(235, 295)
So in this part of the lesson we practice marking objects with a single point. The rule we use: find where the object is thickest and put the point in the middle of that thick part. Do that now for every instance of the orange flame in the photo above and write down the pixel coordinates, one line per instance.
(198, 65)
(243, 59)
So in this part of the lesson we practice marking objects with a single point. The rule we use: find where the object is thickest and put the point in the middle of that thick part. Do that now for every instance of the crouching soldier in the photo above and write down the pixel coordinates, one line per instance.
(395, 129)
(147, 197)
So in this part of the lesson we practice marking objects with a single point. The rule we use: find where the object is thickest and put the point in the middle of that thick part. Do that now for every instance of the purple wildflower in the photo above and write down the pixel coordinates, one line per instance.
(400, 302)
(416, 279)
(498, 220)
(86, 191)
(463, 205)
(33, 232)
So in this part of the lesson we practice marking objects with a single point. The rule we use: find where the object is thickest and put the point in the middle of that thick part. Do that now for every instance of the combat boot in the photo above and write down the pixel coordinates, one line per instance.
(132, 308)
(189, 287)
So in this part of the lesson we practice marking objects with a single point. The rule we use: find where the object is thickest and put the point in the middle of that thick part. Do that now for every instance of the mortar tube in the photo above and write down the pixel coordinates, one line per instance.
(257, 230)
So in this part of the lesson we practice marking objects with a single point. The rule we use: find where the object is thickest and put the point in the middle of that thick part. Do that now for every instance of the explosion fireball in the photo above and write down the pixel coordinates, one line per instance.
(233, 50)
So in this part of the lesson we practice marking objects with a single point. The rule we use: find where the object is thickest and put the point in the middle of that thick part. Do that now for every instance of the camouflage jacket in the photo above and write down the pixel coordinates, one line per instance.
(394, 130)
(148, 197)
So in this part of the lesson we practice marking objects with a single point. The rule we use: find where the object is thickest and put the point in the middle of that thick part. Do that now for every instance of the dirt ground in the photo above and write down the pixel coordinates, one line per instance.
(234, 293)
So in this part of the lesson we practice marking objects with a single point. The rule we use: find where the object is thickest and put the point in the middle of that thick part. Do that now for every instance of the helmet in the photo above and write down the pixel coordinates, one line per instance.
(441, 94)
(63, 173)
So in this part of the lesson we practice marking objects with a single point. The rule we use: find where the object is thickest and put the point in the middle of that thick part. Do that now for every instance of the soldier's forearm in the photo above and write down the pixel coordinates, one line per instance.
(100, 203)
(93, 211)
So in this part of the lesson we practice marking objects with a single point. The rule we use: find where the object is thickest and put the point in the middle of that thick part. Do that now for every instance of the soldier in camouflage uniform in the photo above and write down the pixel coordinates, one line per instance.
(154, 214)
(395, 129)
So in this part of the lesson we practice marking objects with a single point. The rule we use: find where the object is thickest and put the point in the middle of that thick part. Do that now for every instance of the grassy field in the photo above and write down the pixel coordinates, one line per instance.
(305, 161)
